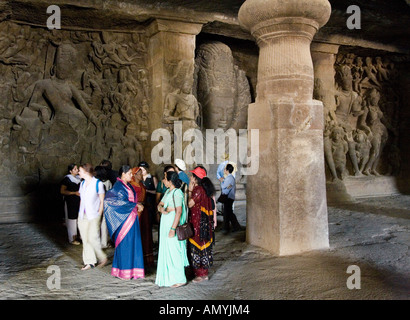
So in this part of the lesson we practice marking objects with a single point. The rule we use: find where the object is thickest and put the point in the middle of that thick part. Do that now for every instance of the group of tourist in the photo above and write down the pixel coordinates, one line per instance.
(120, 209)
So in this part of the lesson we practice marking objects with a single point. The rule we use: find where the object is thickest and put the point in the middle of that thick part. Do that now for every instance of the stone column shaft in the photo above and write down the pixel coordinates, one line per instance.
(170, 42)
(324, 57)
(286, 200)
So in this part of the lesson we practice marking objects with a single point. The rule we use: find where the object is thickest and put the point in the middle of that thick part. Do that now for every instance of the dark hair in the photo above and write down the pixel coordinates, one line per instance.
(168, 167)
(70, 167)
(209, 187)
(229, 168)
(123, 169)
(88, 167)
(173, 177)
(143, 164)
(101, 173)
(106, 163)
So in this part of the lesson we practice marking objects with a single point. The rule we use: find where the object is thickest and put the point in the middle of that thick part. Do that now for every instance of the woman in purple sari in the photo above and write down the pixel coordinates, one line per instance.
(121, 212)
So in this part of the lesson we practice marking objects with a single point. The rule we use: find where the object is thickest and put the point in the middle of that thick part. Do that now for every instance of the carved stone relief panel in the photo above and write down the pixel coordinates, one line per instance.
(221, 87)
(361, 135)
(69, 96)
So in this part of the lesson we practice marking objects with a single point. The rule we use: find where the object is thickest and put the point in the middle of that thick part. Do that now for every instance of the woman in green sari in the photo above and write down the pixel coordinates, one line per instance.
(172, 253)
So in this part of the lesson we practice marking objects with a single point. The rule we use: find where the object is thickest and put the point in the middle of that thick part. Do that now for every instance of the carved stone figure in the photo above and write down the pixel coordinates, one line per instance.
(54, 102)
(363, 146)
(357, 74)
(382, 72)
(339, 150)
(370, 75)
(181, 105)
(327, 145)
(133, 152)
(113, 139)
(220, 83)
(378, 130)
(347, 110)
(367, 108)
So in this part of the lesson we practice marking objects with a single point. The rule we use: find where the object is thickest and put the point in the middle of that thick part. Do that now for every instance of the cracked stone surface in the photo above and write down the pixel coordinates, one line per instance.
(371, 233)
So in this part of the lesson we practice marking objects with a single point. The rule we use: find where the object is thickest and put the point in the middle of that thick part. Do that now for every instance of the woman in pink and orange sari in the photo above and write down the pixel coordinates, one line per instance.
(121, 210)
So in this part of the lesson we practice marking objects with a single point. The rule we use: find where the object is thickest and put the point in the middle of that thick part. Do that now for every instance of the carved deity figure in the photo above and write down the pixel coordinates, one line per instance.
(133, 153)
(54, 101)
(348, 108)
(378, 130)
(363, 146)
(357, 72)
(113, 139)
(181, 105)
(339, 151)
(370, 75)
(382, 72)
(221, 87)
(367, 104)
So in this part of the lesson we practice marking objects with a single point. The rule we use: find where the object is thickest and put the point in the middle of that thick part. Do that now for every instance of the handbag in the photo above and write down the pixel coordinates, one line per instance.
(184, 231)
(222, 198)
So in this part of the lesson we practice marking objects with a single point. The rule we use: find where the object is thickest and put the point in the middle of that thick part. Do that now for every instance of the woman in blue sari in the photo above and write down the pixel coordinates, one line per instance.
(121, 212)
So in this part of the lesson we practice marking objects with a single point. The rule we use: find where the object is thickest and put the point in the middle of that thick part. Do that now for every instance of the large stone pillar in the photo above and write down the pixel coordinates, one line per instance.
(286, 199)
(171, 55)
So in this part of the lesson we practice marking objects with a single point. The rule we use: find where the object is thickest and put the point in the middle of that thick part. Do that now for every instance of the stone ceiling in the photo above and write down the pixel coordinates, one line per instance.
(383, 22)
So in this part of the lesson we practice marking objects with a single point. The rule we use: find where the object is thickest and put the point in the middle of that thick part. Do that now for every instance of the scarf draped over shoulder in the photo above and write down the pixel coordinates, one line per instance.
(119, 202)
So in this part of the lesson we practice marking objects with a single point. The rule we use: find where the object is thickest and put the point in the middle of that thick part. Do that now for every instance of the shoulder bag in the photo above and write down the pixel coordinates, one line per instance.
(184, 231)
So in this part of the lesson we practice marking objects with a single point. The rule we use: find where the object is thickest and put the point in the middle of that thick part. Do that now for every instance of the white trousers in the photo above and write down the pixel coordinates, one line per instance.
(71, 225)
(105, 237)
(90, 234)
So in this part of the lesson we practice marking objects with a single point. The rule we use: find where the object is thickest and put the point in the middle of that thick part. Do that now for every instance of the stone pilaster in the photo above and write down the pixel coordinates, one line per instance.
(286, 199)
(324, 57)
(171, 50)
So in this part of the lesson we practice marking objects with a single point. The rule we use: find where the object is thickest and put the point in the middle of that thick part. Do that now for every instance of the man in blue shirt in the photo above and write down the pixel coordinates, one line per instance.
(180, 168)
(228, 187)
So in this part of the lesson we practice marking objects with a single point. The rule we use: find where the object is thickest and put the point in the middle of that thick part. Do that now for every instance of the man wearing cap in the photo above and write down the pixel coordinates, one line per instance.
(180, 168)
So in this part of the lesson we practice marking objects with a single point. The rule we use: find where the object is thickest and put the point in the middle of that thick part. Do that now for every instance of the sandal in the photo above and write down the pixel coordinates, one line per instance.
(200, 279)
(178, 285)
(197, 279)
(87, 267)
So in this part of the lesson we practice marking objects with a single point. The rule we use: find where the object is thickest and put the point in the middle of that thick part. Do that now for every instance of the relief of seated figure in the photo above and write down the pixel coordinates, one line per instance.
(58, 110)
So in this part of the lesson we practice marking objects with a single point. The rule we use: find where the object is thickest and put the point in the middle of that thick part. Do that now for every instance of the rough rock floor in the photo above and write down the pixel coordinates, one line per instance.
(372, 234)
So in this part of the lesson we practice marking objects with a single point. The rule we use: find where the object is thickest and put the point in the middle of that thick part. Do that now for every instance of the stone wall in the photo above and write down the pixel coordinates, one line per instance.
(69, 97)
(75, 96)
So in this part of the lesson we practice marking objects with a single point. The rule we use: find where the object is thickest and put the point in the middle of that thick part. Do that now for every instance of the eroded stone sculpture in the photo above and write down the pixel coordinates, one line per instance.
(221, 87)
(366, 107)
(69, 96)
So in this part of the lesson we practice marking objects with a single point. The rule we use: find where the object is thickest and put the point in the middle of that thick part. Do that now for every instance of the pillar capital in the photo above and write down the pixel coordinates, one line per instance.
(174, 26)
(275, 17)
(324, 47)
(284, 31)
